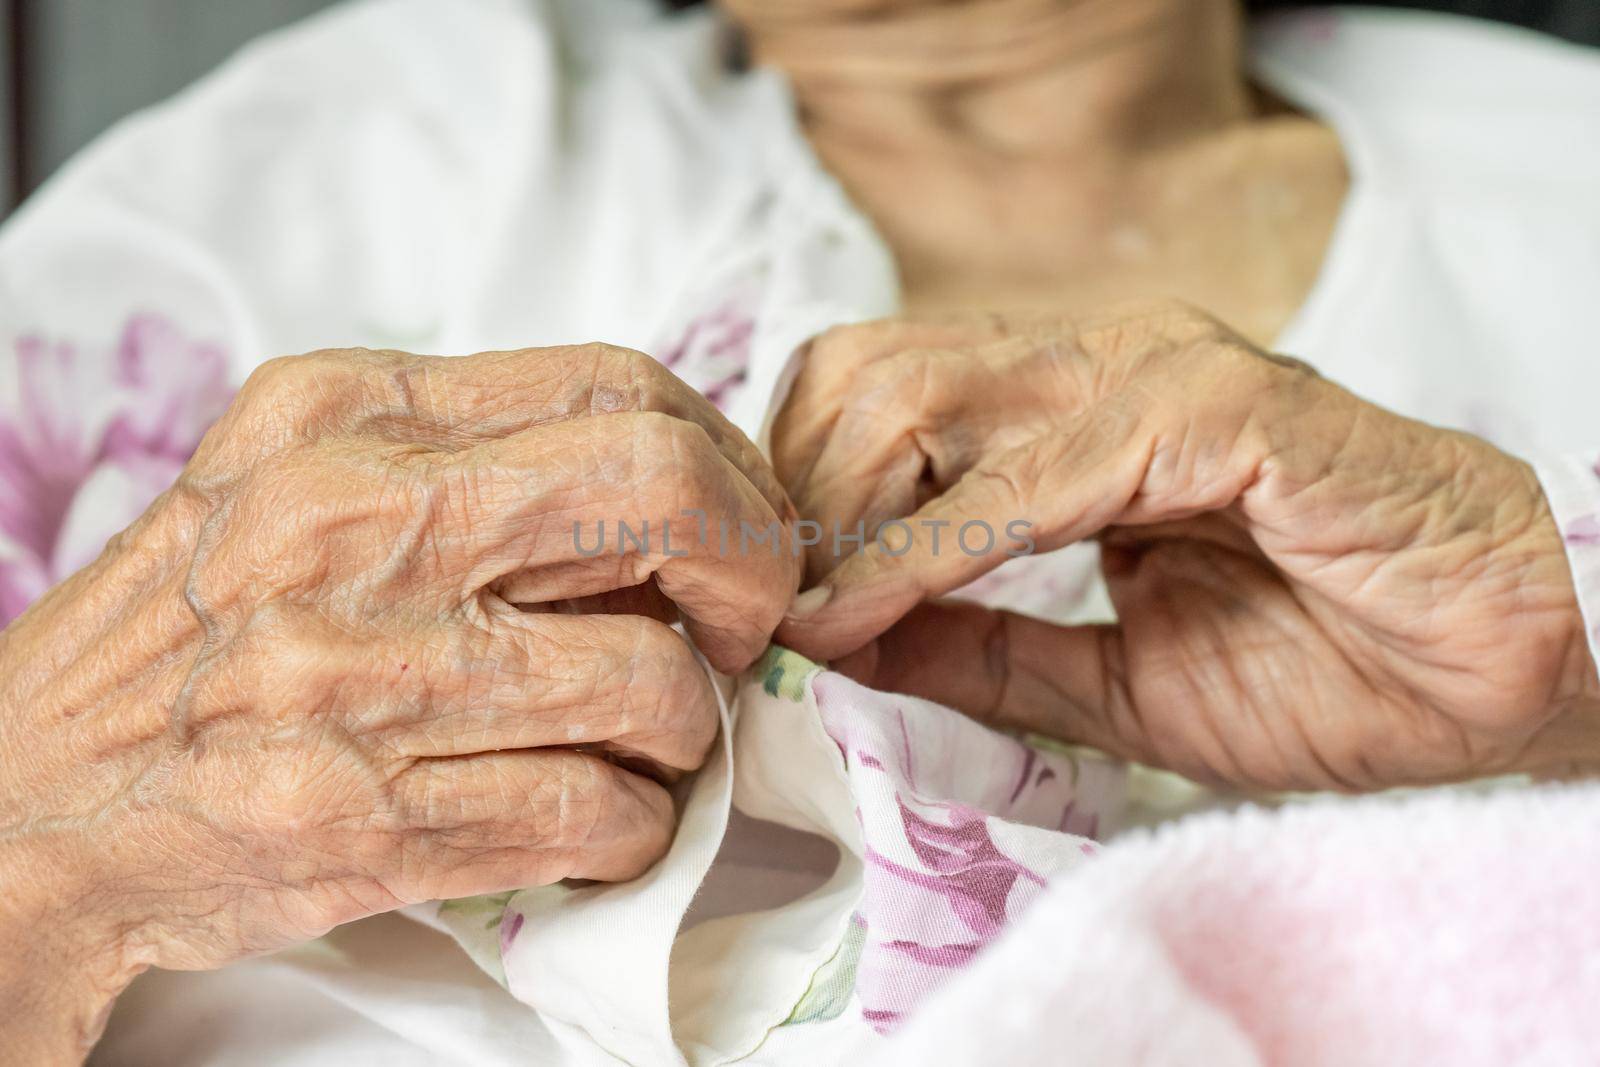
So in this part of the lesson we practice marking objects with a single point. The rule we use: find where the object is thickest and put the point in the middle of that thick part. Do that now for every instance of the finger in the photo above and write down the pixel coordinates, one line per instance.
(1064, 489)
(483, 824)
(1229, 673)
(877, 451)
(460, 402)
(1008, 670)
(551, 505)
(920, 419)
(1209, 674)
(477, 681)
(627, 683)
(831, 362)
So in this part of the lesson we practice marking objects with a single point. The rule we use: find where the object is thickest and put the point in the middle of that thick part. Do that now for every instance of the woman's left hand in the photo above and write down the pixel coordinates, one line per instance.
(1312, 591)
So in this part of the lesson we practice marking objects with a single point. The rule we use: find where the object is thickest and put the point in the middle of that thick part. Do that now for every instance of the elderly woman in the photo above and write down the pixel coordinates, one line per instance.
(354, 659)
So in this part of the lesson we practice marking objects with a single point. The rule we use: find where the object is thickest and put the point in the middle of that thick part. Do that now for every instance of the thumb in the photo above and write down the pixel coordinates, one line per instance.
(1043, 495)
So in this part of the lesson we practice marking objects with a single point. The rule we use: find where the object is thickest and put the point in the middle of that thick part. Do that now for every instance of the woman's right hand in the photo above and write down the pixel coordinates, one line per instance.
(298, 690)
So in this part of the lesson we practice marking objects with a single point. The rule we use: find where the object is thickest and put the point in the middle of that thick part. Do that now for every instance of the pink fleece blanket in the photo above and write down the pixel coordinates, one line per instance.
(1444, 928)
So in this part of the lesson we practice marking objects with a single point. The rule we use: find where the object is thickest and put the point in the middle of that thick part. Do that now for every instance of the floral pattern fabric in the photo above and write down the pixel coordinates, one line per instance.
(1572, 486)
(92, 434)
(962, 828)
(948, 830)
(712, 351)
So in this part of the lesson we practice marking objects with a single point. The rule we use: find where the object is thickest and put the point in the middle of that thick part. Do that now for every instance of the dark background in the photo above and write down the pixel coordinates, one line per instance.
(70, 68)
(1577, 20)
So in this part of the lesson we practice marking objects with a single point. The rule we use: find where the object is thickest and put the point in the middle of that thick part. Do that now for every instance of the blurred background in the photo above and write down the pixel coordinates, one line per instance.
(73, 67)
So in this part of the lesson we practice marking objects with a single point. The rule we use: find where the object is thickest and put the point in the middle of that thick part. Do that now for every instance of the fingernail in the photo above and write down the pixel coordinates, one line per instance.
(810, 602)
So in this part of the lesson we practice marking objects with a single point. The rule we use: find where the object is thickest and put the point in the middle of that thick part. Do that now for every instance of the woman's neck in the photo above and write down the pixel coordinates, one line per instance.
(1061, 154)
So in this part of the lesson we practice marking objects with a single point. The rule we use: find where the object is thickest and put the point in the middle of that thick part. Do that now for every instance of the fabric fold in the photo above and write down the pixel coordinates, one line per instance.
(945, 831)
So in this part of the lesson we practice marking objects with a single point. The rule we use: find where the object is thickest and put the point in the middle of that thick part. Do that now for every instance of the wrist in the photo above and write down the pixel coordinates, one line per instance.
(67, 849)
(62, 963)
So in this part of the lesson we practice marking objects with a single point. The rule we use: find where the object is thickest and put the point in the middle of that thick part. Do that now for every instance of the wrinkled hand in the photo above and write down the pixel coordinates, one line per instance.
(298, 691)
(1312, 592)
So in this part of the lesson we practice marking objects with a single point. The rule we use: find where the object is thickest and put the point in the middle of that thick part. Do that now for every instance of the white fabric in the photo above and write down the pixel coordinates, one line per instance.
(498, 173)
(617, 998)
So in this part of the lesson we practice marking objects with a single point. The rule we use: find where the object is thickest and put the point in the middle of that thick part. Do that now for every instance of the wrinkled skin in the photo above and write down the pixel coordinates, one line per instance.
(1312, 592)
(300, 691)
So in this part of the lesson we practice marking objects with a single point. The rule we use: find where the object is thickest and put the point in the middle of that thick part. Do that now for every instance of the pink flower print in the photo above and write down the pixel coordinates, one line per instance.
(962, 864)
(1584, 531)
(91, 437)
(712, 353)
(510, 926)
(937, 797)
(930, 914)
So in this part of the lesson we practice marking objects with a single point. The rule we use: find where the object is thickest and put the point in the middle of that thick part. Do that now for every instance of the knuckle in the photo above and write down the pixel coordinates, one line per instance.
(843, 343)
(667, 673)
(659, 646)
(275, 390)
(620, 379)
(831, 342)
(1166, 329)
(664, 704)
(291, 375)
(309, 521)
(899, 384)
(422, 799)
(298, 395)
(1176, 311)
(604, 351)
(635, 362)
(531, 371)
(587, 798)
(650, 385)
(656, 434)
(276, 375)
(1187, 325)
(680, 454)
(403, 385)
